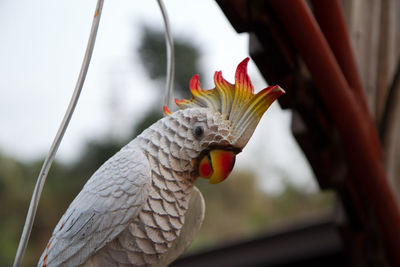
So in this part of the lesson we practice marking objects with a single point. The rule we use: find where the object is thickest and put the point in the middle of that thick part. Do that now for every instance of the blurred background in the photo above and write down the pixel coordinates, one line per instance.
(41, 49)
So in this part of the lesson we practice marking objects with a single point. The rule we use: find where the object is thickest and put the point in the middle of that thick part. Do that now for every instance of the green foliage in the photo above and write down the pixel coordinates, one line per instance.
(17, 181)
(152, 53)
(237, 209)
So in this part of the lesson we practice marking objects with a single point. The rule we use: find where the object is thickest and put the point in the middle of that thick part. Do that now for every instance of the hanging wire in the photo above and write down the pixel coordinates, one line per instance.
(68, 115)
(170, 57)
(57, 140)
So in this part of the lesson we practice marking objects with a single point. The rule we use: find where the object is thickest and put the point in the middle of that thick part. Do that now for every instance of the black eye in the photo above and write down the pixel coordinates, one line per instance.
(198, 131)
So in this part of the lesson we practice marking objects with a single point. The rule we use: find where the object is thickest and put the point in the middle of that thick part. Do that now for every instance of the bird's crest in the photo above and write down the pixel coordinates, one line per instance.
(236, 102)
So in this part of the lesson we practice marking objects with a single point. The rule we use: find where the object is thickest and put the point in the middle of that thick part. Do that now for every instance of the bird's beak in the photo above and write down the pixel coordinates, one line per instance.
(217, 165)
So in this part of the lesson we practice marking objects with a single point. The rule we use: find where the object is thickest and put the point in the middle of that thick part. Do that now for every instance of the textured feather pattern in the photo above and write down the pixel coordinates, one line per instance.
(107, 203)
(171, 150)
(133, 208)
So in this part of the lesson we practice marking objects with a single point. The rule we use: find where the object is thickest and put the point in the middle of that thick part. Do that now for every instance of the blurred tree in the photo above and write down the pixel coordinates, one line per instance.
(152, 53)
(237, 208)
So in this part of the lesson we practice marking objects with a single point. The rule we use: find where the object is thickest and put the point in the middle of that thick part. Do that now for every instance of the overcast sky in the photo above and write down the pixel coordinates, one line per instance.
(41, 50)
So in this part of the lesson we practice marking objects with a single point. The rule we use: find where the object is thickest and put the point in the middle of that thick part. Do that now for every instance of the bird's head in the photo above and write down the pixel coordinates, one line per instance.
(218, 123)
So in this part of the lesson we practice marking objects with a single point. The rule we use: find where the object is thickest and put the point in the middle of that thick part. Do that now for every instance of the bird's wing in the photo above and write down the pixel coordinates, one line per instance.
(120, 256)
(111, 198)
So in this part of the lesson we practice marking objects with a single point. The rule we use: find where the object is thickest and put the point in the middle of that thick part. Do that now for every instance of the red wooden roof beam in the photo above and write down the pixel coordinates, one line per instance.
(330, 18)
(354, 124)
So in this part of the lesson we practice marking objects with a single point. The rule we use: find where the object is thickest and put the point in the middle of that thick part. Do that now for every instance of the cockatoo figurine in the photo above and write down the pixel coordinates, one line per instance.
(141, 208)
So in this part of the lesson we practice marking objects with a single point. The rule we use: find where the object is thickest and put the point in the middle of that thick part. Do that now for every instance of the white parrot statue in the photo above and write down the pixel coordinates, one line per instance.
(141, 208)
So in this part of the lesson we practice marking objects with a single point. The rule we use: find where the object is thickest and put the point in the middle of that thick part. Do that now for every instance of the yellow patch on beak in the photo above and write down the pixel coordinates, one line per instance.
(217, 165)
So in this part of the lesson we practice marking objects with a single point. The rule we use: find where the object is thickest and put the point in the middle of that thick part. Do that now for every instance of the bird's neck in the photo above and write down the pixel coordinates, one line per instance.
(168, 161)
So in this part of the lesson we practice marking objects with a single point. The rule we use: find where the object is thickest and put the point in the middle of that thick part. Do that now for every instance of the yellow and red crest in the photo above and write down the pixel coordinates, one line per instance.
(236, 102)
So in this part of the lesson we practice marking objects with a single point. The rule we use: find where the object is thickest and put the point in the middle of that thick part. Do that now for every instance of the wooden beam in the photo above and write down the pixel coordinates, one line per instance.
(330, 18)
(355, 126)
(312, 243)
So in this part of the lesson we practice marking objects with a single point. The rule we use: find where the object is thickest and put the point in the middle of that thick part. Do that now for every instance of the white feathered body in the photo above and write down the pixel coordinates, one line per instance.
(133, 208)
(140, 208)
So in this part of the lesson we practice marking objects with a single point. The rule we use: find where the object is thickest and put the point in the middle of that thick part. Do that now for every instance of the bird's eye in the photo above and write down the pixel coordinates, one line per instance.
(198, 132)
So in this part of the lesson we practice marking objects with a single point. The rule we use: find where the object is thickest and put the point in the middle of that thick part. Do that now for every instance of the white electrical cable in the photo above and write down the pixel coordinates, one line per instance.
(71, 107)
(57, 140)
(170, 57)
